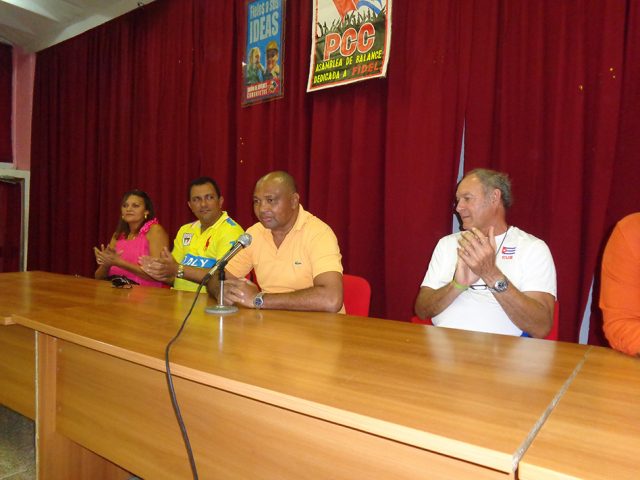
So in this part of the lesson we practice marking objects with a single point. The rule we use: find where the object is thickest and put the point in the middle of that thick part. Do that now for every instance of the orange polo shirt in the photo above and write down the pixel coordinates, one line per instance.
(309, 249)
(620, 290)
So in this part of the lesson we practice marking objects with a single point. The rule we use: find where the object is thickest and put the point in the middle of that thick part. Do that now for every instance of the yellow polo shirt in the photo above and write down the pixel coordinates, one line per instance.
(309, 249)
(195, 248)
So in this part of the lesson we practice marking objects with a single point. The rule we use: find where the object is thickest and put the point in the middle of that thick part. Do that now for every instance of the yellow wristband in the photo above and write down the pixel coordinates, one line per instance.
(459, 286)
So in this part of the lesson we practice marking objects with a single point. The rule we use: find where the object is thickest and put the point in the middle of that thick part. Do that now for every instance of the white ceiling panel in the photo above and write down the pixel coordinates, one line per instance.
(37, 24)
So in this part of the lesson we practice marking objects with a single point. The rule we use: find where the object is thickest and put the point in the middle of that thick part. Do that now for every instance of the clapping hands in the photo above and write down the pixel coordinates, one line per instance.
(162, 268)
(107, 256)
(476, 255)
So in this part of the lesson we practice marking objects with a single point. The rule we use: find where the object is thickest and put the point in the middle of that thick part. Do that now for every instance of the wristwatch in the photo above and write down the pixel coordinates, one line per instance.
(258, 301)
(180, 272)
(500, 286)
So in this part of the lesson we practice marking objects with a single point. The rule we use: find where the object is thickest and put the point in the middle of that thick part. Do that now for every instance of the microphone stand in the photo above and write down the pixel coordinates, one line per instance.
(221, 308)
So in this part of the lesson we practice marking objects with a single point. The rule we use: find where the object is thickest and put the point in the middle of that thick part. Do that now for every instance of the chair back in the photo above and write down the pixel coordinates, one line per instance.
(357, 295)
(553, 334)
(417, 319)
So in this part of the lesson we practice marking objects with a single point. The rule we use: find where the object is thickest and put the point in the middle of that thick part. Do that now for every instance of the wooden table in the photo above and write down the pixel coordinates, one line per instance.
(24, 293)
(18, 294)
(594, 432)
(271, 394)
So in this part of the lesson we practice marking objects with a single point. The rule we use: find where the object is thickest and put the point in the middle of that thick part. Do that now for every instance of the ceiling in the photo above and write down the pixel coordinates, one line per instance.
(37, 24)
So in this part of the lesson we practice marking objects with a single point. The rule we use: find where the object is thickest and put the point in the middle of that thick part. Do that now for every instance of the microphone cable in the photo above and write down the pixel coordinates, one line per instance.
(243, 241)
(172, 392)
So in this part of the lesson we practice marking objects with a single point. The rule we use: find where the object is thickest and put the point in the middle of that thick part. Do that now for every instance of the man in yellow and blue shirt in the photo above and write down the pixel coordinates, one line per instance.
(198, 245)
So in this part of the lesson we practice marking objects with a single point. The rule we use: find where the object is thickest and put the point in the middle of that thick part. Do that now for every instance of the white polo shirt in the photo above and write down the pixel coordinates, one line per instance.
(524, 259)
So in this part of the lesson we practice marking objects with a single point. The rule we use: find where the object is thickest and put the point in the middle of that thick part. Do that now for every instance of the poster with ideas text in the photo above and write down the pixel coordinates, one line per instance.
(262, 71)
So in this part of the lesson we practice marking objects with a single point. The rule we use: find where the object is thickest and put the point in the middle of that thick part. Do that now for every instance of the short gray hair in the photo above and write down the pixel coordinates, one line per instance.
(492, 179)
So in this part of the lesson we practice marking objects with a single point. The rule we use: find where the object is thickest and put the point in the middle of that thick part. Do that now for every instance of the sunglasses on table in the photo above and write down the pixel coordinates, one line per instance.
(122, 282)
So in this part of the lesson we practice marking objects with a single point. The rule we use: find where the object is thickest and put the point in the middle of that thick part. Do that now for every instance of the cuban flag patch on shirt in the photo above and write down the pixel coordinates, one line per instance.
(508, 252)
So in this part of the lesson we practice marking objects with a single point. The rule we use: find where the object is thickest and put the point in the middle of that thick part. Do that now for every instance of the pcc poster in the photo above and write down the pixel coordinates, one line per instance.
(350, 42)
(262, 73)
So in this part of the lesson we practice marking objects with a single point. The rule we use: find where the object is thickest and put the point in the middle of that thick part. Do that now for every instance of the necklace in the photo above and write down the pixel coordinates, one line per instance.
(502, 242)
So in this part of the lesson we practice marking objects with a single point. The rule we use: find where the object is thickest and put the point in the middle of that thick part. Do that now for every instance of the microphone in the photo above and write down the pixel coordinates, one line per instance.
(243, 241)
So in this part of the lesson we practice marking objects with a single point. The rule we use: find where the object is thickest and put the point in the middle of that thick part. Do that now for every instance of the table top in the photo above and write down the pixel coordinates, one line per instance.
(594, 431)
(469, 395)
(24, 292)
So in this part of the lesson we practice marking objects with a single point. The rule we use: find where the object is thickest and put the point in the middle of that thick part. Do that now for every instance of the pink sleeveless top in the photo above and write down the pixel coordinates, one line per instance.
(132, 250)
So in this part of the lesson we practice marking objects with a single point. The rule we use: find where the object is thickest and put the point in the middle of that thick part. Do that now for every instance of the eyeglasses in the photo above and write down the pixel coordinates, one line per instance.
(121, 282)
(272, 53)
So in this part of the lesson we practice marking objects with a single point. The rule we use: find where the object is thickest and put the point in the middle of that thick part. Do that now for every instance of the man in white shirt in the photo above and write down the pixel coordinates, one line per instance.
(491, 277)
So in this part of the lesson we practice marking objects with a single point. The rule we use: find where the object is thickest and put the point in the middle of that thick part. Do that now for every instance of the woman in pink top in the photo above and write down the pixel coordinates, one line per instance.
(138, 233)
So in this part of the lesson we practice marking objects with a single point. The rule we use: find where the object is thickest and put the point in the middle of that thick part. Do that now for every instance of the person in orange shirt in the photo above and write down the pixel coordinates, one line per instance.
(620, 289)
(294, 254)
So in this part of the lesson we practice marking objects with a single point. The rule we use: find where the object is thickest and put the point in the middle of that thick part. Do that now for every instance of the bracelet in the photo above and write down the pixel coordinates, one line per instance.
(180, 272)
(459, 286)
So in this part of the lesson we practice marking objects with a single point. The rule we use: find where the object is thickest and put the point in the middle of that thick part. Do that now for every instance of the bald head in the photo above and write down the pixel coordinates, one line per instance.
(276, 202)
(281, 178)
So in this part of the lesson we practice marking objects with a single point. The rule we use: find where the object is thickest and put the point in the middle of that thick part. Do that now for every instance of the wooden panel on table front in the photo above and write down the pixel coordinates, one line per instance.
(594, 431)
(57, 457)
(17, 369)
(122, 411)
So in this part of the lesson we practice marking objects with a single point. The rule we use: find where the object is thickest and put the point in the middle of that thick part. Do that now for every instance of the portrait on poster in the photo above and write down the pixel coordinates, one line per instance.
(262, 70)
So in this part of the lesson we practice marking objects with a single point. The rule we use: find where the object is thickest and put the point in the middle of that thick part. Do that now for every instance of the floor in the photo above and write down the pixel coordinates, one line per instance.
(17, 446)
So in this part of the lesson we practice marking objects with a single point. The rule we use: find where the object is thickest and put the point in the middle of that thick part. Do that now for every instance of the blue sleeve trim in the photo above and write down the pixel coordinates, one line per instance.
(199, 262)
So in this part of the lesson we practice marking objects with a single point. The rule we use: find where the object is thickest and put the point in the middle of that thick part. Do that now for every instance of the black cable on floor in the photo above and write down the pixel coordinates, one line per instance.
(172, 391)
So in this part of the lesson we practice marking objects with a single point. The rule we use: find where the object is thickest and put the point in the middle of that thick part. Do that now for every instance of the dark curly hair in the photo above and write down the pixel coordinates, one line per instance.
(123, 227)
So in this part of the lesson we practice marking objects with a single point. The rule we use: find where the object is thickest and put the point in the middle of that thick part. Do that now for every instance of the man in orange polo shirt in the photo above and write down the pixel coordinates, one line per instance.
(295, 255)
(620, 289)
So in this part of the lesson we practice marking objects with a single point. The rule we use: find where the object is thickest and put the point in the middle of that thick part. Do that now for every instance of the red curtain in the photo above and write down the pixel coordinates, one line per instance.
(10, 220)
(548, 116)
(543, 90)
(624, 194)
(10, 194)
(6, 73)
